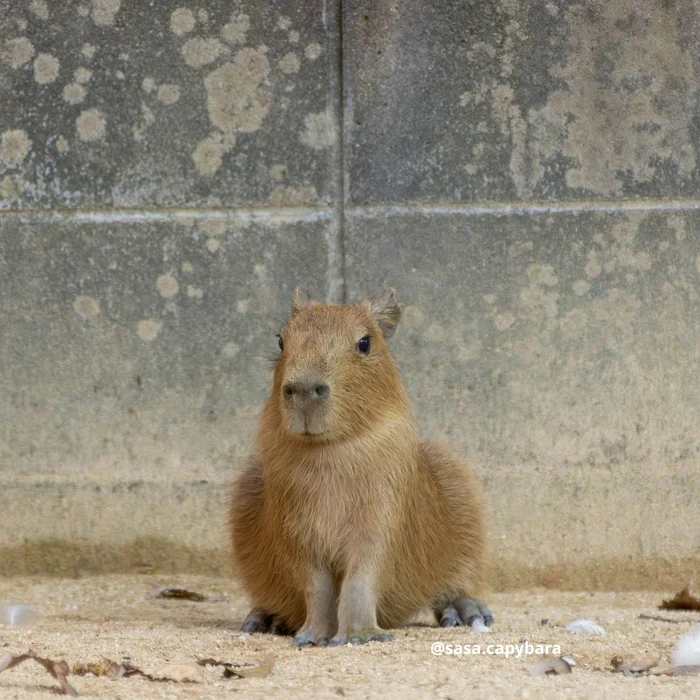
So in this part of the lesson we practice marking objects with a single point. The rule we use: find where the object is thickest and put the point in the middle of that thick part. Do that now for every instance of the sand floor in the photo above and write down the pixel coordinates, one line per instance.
(82, 620)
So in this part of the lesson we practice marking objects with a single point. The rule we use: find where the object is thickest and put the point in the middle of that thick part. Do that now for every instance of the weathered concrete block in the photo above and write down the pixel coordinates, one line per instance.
(559, 353)
(139, 349)
(127, 103)
(475, 101)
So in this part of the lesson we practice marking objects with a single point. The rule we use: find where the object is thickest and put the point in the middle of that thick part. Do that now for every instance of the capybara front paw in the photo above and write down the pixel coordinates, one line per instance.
(305, 638)
(371, 634)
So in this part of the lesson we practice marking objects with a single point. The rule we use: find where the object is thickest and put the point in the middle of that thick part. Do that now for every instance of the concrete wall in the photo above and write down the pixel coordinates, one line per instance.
(525, 175)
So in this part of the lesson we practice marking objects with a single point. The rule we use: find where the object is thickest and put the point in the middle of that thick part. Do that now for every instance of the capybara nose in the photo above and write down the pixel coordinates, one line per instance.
(314, 390)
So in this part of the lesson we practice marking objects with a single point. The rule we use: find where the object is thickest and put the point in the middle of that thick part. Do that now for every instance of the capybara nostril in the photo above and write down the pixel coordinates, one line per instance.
(307, 389)
(322, 391)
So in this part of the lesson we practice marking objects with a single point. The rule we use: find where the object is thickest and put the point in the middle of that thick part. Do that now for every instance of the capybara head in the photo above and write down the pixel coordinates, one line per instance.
(334, 377)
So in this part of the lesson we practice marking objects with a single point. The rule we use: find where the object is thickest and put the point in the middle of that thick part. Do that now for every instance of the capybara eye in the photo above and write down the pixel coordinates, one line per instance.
(280, 342)
(363, 345)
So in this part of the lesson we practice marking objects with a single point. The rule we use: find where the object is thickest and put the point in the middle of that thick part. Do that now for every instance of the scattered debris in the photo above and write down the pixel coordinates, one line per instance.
(107, 668)
(685, 671)
(16, 614)
(179, 673)
(636, 667)
(552, 666)
(585, 627)
(479, 625)
(242, 670)
(58, 669)
(682, 601)
(179, 592)
(659, 618)
(687, 649)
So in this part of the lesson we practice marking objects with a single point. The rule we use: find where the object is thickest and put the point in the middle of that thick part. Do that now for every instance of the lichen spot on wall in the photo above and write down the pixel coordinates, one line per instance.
(214, 226)
(104, 11)
(278, 172)
(18, 51)
(542, 274)
(148, 329)
(581, 287)
(200, 52)
(11, 188)
(319, 130)
(82, 75)
(231, 349)
(91, 125)
(14, 146)
(167, 286)
(412, 317)
(313, 51)
(39, 8)
(182, 21)
(208, 154)
(235, 99)
(46, 68)
(289, 63)
(234, 32)
(85, 306)
(168, 94)
(74, 93)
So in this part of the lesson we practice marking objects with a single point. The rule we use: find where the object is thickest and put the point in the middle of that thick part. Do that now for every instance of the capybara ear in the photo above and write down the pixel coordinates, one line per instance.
(386, 311)
(301, 300)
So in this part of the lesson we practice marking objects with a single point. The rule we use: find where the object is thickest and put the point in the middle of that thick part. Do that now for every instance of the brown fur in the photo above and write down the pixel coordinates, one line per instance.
(364, 495)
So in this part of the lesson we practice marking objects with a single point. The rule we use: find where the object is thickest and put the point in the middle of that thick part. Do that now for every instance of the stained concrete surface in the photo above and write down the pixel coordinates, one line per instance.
(524, 174)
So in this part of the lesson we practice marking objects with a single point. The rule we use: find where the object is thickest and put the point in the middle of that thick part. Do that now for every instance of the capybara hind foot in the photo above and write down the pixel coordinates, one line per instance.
(259, 620)
(464, 611)
(372, 634)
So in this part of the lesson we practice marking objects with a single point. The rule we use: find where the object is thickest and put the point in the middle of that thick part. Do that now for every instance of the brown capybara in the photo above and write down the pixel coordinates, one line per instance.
(344, 523)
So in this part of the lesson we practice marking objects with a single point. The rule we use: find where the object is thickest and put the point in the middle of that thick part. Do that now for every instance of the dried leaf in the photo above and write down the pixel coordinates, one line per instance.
(178, 592)
(682, 601)
(585, 627)
(58, 669)
(106, 667)
(636, 667)
(260, 671)
(242, 671)
(179, 673)
(551, 666)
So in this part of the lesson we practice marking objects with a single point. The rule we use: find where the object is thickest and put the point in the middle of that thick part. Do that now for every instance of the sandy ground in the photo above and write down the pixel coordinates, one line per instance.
(115, 616)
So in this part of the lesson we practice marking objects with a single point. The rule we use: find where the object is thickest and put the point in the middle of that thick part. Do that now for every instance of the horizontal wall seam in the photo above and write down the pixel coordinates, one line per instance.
(520, 208)
(127, 215)
(325, 213)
